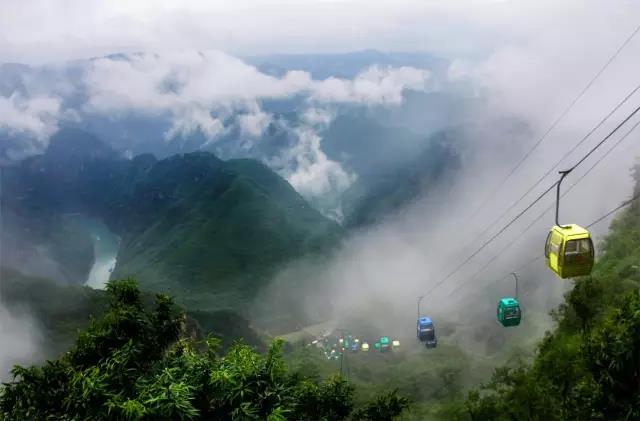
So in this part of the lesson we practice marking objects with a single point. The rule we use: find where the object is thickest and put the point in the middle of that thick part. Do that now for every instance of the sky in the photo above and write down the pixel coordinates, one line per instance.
(34, 31)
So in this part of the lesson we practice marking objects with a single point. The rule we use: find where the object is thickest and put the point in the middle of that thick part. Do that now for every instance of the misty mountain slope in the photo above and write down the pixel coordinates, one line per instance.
(192, 224)
(222, 234)
(55, 313)
(385, 189)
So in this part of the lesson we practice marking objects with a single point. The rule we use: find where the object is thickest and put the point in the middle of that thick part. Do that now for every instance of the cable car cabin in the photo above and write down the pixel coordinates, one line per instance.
(569, 251)
(384, 343)
(426, 332)
(508, 312)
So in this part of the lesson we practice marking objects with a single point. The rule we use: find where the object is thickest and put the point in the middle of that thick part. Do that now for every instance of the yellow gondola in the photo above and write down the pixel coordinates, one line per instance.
(569, 251)
(569, 248)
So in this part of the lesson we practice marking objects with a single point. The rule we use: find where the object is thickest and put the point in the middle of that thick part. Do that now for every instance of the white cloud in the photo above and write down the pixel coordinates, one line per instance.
(318, 117)
(36, 30)
(312, 173)
(200, 89)
(308, 169)
(20, 341)
(373, 86)
(36, 117)
(254, 124)
(33, 120)
(154, 83)
(191, 120)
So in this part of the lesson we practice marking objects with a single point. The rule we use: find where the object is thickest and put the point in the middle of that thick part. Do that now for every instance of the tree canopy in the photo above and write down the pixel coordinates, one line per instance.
(589, 367)
(136, 363)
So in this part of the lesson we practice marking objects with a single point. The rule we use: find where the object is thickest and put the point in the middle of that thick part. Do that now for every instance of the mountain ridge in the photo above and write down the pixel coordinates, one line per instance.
(190, 223)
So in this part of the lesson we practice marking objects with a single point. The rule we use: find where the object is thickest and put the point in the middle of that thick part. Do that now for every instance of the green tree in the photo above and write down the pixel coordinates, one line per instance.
(133, 364)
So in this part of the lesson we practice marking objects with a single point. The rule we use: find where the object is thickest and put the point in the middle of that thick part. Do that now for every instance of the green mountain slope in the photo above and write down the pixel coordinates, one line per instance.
(224, 228)
(376, 195)
(209, 231)
(140, 362)
(61, 311)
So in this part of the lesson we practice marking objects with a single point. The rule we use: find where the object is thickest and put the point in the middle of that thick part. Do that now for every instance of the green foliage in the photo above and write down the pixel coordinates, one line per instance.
(211, 232)
(132, 364)
(61, 311)
(384, 408)
(590, 366)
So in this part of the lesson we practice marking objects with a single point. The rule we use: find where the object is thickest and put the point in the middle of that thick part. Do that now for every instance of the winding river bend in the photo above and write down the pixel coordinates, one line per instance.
(105, 248)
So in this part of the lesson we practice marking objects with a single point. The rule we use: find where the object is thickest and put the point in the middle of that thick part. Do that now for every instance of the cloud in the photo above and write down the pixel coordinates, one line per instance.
(188, 121)
(254, 124)
(373, 86)
(20, 338)
(312, 173)
(37, 116)
(194, 86)
(318, 117)
(31, 119)
(33, 31)
(212, 94)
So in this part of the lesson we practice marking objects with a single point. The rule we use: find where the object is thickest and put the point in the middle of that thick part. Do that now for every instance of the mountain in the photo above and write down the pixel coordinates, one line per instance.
(380, 193)
(394, 165)
(141, 361)
(209, 231)
(58, 312)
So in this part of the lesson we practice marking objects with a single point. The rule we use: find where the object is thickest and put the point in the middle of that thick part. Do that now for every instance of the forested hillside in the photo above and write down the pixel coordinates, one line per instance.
(60, 311)
(209, 231)
(139, 363)
(589, 366)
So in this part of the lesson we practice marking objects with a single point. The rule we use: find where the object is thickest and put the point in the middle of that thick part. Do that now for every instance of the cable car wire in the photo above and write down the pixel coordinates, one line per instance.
(569, 152)
(536, 200)
(486, 243)
(533, 223)
(555, 122)
(614, 210)
(629, 117)
(535, 259)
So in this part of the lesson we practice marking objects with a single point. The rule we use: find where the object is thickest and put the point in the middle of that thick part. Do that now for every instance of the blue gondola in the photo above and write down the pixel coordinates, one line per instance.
(426, 332)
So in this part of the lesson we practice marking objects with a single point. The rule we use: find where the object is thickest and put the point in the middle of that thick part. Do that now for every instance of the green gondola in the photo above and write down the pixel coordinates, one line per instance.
(385, 344)
(508, 312)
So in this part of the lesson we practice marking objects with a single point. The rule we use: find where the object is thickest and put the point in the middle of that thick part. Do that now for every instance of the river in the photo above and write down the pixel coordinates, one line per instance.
(105, 249)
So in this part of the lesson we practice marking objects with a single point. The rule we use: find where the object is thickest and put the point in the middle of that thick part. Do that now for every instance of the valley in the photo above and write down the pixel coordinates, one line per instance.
(319, 210)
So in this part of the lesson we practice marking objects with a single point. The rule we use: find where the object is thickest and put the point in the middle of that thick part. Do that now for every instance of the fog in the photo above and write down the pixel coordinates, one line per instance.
(378, 273)
(21, 341)
(20, 336)
(375, 277)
